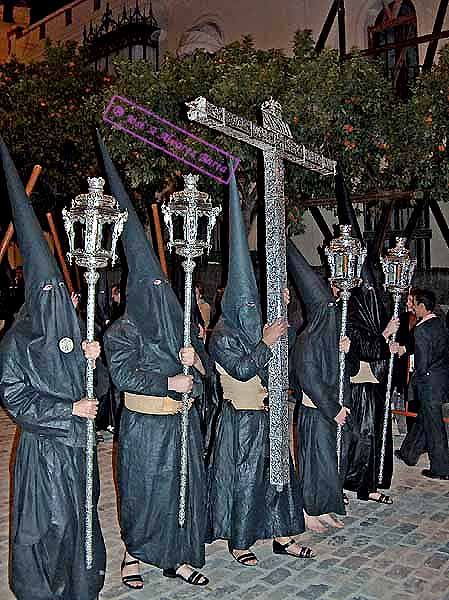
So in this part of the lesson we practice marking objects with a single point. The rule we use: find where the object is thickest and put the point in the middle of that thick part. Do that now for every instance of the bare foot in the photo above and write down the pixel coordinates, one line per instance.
(314, 524)
(331, 521)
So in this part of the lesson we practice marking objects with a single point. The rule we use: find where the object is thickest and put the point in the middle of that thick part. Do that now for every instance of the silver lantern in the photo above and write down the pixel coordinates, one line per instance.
(398, 267)
(87, 223)
(193, 213)
(345, 256)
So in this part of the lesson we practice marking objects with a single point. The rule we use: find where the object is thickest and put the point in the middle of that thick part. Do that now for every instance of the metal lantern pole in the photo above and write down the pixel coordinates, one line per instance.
(189, 205)
(92, 211)
(398, 268)
(346, 257)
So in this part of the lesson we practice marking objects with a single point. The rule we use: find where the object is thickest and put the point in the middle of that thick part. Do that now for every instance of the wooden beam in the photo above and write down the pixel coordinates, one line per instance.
(327, 26)
(37, 169)
(382, 228)
(342, 30)
(413, 221)
(439, 218)
(437, 27)
(59, 252)
(415, 41)
(159, 239)
(364, 199)
(320, 221)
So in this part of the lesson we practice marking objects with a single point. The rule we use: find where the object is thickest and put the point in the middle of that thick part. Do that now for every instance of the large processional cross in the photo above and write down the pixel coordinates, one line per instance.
(275, 140)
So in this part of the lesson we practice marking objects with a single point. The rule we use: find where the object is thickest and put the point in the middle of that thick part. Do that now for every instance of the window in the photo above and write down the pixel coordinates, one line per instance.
(42, 31)
(395, 24)
(68, 17)
(97, 4)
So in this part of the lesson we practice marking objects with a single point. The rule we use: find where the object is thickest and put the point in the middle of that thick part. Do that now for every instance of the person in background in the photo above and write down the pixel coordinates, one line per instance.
(431, 383)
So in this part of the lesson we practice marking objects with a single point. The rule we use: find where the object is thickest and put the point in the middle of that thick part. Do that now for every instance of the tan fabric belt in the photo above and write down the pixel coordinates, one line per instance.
(307, 401)
(152, 405)
(243, 395)
(365, 374)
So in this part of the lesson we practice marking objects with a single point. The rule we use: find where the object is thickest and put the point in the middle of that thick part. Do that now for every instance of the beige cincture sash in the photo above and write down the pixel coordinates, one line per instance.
(244, 395)
(307, 401)
(365, 374)
(152, 405)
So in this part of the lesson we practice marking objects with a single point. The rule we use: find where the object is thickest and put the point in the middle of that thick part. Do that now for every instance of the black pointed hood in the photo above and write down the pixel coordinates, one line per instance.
(314, 359)
(311, 287)
(240, 306)
(150, 301)
(366, 306)
(47, 325)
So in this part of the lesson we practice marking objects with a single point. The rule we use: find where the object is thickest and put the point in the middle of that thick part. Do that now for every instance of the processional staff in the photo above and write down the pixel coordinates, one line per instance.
(346, 257)
(190, 209)
(96, 215)
(398, 268)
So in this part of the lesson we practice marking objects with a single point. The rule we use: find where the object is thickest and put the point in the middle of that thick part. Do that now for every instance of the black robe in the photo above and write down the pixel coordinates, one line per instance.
(367, 417)
(47, 532)
(149, 457)
(431, 384)
(242, 504)
(314, 370)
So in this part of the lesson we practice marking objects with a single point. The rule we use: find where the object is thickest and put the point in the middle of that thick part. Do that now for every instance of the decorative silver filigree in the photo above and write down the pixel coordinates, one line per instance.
(274, 138)
(91, 212)
(398, 268)
(190, 205)
(345, 256)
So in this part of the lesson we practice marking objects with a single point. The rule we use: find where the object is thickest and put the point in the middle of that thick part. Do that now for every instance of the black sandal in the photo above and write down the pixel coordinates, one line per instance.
(245, 559)
(304, 552)
(128, 579)
(195, 577)
(383, 499)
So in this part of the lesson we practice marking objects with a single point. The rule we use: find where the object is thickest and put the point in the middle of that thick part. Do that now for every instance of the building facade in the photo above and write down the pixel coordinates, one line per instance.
(146, 30)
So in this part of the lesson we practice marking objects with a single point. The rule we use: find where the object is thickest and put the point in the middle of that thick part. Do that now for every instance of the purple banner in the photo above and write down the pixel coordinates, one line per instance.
(170, 139)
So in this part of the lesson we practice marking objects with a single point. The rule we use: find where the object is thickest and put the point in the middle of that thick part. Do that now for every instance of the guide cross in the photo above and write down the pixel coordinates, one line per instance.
(275, 140)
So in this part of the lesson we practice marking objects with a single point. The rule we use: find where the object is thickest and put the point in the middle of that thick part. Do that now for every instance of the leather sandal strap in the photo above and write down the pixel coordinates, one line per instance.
(130, 562)
(245, 558)
(288, 544)
(194, 577)
(130, 578)
(305, 552)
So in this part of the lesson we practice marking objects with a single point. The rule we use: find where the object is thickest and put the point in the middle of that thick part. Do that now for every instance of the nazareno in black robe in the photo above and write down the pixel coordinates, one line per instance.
(41, 376)
(142, 349)
(314, 370)
(149, 456)
(368, 399)
(243, 506)
(367, 318)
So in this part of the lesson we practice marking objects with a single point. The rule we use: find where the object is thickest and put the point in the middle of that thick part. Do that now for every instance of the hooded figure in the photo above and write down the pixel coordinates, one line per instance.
(314, 377)
(367, 328)
(242, 504)
(143, 350)
(41, 381)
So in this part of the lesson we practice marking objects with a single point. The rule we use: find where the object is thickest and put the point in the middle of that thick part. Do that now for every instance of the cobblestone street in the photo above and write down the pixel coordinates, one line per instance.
(399, 552)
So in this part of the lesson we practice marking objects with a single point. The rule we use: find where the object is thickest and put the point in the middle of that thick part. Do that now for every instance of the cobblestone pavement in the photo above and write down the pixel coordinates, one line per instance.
(399, 552)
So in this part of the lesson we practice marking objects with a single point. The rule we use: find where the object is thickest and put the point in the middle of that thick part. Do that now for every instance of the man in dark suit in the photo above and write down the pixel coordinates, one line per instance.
(431, 386)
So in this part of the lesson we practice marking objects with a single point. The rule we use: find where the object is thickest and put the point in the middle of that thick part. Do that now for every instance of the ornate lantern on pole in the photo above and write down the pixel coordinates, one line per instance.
(398, 268)
(346, 256)
(86, 224)
(194, 211)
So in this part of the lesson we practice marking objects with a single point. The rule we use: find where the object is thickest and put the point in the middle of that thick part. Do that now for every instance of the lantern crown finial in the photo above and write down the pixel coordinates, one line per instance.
(96, 184)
